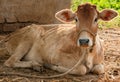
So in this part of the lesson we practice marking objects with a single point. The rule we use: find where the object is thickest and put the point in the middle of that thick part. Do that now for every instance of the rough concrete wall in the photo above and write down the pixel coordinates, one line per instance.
(15, 14)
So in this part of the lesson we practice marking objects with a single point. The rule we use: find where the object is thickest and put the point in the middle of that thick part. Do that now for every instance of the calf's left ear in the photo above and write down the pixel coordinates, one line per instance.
(107, 14)
(65, 15)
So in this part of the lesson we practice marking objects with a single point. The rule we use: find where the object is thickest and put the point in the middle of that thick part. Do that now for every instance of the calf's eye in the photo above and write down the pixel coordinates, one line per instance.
(76, 20)
(96, 19)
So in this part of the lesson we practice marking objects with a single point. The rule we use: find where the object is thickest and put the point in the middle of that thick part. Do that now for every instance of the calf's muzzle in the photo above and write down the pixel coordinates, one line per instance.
(84, 42)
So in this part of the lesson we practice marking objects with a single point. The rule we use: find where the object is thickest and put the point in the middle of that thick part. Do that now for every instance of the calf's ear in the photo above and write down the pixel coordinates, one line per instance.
(108, 14)
(65, 15)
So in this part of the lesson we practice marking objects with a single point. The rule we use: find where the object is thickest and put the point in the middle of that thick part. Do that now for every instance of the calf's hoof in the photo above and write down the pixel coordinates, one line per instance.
(81, 70)
(98, 69)
(38, 68)
(8, 64)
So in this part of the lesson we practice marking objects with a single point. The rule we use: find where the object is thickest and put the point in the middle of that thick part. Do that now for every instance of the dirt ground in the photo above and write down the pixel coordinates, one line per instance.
(111, 39)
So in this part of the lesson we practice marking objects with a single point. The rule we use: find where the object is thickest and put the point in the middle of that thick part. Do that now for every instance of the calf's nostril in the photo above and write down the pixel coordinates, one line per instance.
(84, 41)
(87, 40)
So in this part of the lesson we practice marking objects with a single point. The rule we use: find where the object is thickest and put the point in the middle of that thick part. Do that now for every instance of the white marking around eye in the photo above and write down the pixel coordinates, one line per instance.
(94, 23)
(77, 23)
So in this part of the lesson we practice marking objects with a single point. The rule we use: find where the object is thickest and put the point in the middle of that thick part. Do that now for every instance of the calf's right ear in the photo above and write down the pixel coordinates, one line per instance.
(65, 15)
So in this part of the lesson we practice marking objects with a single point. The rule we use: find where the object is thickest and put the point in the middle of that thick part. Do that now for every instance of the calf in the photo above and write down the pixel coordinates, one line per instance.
(60, 48)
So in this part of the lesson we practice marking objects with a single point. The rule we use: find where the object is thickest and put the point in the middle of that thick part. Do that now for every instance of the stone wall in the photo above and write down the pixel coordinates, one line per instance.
(15, 14)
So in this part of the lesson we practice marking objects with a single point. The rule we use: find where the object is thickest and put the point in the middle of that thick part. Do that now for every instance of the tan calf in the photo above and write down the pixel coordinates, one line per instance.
(60, 48)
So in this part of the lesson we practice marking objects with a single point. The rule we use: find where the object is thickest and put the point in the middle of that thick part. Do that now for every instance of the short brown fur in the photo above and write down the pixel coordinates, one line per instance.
(58, 47)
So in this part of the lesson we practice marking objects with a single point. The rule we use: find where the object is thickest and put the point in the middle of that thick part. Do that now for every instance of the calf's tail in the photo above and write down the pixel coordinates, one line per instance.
(3, 50)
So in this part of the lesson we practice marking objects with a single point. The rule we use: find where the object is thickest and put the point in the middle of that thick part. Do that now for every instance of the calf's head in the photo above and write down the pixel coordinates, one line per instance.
(86, 18)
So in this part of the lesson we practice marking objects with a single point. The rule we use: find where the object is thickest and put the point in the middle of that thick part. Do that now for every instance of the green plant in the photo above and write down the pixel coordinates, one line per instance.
(102, 4)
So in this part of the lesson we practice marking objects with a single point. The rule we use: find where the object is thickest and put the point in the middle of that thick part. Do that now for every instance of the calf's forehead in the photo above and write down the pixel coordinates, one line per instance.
(86, 12)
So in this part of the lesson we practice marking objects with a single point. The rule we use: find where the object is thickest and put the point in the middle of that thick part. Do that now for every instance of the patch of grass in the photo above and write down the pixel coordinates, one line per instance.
(102, 4)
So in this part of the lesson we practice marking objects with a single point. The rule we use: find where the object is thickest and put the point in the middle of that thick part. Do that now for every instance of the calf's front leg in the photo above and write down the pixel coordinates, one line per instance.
(80, 70)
